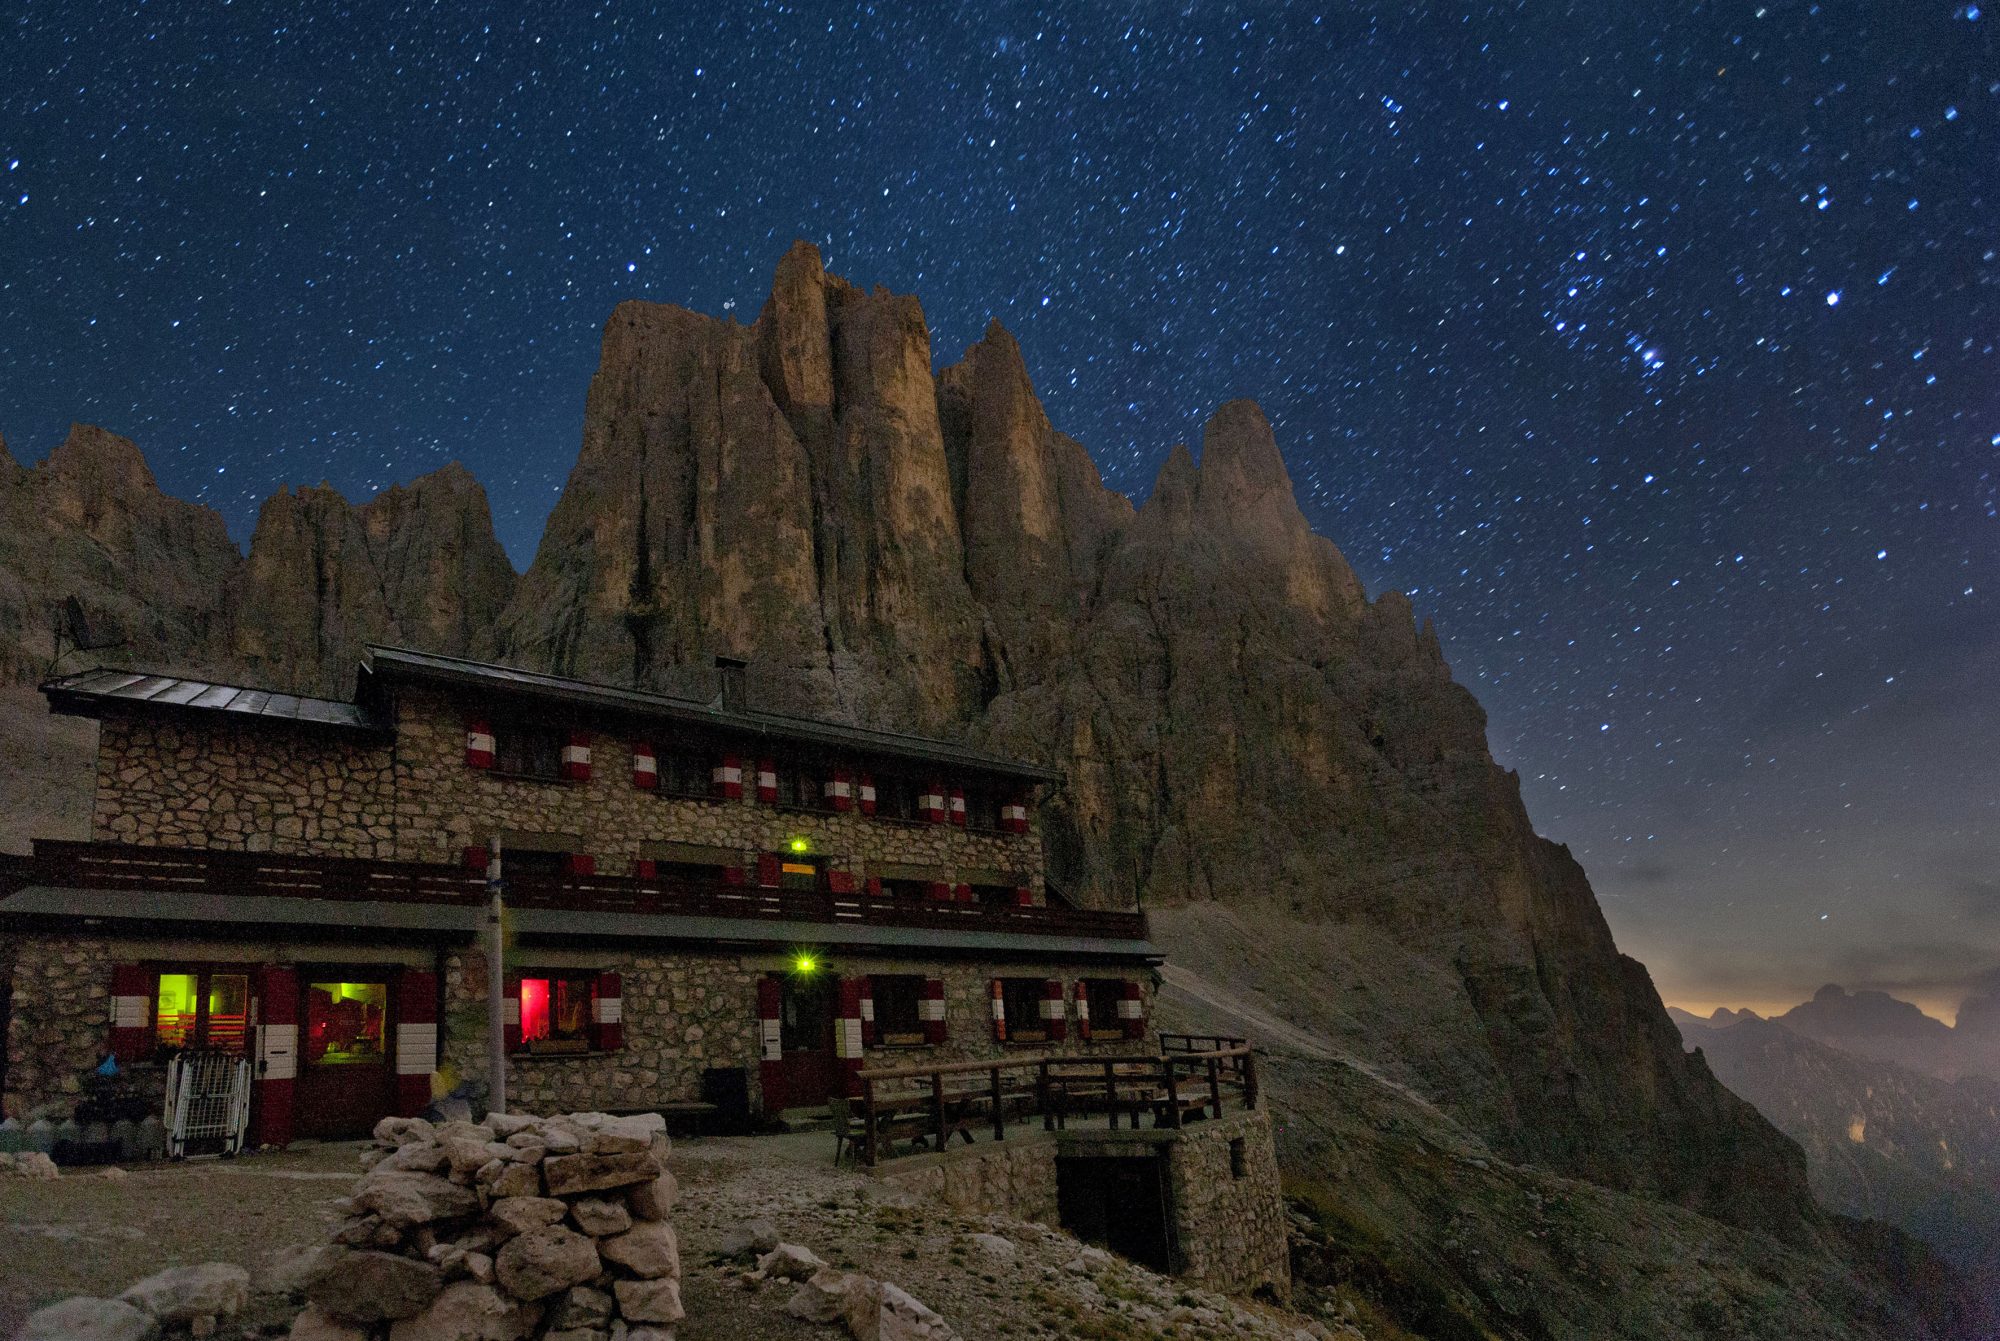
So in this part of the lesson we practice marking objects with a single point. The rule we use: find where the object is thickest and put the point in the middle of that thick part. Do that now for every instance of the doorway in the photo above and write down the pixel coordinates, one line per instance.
(808, 1004)
(346, 1082)
(1119, 1202)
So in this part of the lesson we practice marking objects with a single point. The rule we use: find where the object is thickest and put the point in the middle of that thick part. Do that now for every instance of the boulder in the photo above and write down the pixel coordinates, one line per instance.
(829, 1296)
(994, 1246)
(417, 1157)
(568, 1175)
(626, 1135)
(649, 1250)
(899, 1317)
(655, 1201)
(514, 1180)
(182, 1294)
(541, 1261)
(401, 1131)
(316, 1324)
(372, 1286)
(468, 1157)
(84, 1319)
(752, 1238)
(788, 1261)
(649, 1300)
(599, 1216)
(468, 1311)
(508, 1125)
(405, 1199)
(28, 1164)
(580, 1306)
(518, 1215)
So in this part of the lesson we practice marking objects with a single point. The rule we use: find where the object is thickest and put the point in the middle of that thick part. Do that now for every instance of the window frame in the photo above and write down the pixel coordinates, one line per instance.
(507, 735)
(1113, 990)
(552, 976)
(203, 973)
(887, 1032)
(1038, 1028)
(982, 808)
(700, 766)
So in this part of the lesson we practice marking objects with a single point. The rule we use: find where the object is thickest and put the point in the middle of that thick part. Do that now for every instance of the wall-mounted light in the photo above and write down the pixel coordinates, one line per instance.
(803, 962)
(801, 845)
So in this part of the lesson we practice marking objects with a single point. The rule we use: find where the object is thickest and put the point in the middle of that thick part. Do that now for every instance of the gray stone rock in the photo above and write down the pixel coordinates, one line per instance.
(401, 1131)
(649, 1250)
(518, 1215)
(788, 1261)
(416, 1157)
(568, 1175)
(316, 1324)
(372, 1286)
(626, 1135)
(514, 1180)
(506, 1126)
(182, 1294)
(649, 1300)
(600, 1216)
(752, 1238)
(405, 1200)
(468, 1311)
(83, 1319)
(655, 1200)
(581, 1306)
(994, 1246)
(541, 1261)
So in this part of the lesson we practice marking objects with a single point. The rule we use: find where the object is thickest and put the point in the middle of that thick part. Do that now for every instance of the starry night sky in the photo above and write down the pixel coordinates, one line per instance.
(1651, 348)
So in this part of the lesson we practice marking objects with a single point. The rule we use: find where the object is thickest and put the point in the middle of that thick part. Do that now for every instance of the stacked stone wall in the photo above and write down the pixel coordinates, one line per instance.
(1228, 1206)
(59, 1020)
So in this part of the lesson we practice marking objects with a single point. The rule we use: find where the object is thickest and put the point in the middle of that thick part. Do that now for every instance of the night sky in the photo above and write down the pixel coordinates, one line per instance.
(1656, 362)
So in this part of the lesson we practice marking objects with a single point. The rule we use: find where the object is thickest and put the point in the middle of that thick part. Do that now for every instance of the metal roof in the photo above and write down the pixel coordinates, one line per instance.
(427, 666)
(445, 921)
(90, 693)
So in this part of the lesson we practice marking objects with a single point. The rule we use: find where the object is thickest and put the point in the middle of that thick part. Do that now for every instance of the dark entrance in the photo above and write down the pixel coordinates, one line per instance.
(1120, 1202)
(346, 1083)
(807, 1009)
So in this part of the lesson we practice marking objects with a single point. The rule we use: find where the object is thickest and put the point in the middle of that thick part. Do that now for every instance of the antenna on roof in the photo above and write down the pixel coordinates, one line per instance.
(70, 632)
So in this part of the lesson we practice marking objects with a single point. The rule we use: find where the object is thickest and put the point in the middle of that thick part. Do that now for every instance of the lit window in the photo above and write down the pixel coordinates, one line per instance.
(556, 1012)
(202, 1010)
(344, 1022)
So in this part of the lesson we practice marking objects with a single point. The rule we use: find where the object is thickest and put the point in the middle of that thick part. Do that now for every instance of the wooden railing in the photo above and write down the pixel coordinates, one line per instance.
(935, 1103)
(120, 866)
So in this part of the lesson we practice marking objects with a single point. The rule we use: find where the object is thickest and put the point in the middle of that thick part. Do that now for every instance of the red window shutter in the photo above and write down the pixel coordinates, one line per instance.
(840, 790)
(131, 1012)
(865, 797)
(931, 1010)
(475, 858)
(868, 1012)
(1082, 1009)
(645, 868)
(767, 870)
(875, 884)
(840, 882)
(931, 803)
(580, 863)
(729, 777)
(416, 1040)
(767, 782)
(1024, 897)
(1132, 1011)
(963, 893)
(1054, 1019)
(958, 806)
(510, 1013)
(998, 992)
(733, 875)
(607, 1011)
(479, 743)
(1014, 814)
(277, 1059)
(940, 892)
(645, 767)
(576, 756)
(770, 1043)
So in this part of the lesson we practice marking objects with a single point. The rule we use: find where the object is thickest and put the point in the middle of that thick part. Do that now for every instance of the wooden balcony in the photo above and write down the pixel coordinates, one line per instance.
(228, 873)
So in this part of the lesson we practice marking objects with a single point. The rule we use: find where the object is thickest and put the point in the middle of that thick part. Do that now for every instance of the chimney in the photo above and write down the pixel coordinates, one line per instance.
(729, 675)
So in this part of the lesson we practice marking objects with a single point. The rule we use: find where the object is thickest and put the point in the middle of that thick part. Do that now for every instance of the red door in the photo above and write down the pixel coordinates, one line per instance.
(807, 1009)
(346, 1079)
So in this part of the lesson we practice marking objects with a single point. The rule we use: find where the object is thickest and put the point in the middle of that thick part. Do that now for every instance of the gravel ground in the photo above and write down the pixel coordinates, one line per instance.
(87, 1234)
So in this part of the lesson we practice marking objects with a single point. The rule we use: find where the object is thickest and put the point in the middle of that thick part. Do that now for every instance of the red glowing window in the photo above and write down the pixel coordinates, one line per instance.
(556, 1011)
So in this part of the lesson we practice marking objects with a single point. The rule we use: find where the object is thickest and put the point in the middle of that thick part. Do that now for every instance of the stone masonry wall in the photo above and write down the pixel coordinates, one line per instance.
(254, 787)
(443, 807)
(685, 1011)
(60, 1018)
(1231, 1228)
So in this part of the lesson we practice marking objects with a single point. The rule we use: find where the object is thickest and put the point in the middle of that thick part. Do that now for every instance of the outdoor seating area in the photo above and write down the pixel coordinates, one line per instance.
(908, 1110)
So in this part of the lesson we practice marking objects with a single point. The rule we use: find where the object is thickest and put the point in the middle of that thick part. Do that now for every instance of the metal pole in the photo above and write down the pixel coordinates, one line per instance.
(496, 1031)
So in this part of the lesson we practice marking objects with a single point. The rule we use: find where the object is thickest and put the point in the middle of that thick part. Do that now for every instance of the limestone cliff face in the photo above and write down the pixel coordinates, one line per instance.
(1239, 726)
(416, 565)
(90, 523)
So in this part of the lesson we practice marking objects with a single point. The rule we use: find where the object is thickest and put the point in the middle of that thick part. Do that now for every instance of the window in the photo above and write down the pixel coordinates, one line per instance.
(995, 896)
(528, 751)
(528, 861)
(799, 785)
(344, 1022)
(1023, 998)
(202, 1010)
(898, 1022)
(684, 772)
(796, 872)
(556, 1011)
(1239, 1158)
(899, 887)
(982, 808)
(896, 796)
(1104, 994)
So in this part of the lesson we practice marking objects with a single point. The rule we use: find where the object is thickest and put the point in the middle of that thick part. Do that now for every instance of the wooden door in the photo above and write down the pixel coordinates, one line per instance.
(346, 1082)
(806, 1024)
